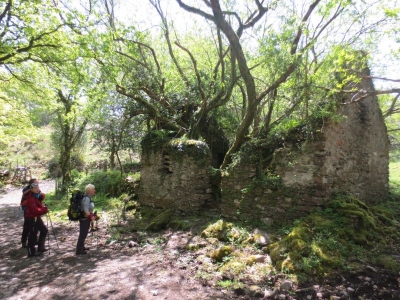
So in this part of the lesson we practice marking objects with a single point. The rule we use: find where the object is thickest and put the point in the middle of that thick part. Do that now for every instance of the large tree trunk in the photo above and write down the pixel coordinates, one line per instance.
(71, 134)
(215, 138)
(65, 167)
(248, 79)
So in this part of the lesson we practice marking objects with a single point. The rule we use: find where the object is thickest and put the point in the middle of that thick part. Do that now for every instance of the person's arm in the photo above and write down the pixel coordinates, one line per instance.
(86, 205)
(34, 208)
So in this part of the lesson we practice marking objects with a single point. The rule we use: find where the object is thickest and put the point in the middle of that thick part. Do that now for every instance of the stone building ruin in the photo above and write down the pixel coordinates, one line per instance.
(350, 155)
(175, 174)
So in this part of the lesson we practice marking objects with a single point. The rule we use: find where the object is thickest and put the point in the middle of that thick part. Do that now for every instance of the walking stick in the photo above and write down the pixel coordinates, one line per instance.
(97, 238)
(54, 233)
(48, 235)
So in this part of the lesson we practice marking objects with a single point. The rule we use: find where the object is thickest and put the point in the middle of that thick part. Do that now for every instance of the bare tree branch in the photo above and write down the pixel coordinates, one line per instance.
(199, 83)
(382, 78)
(391, 109)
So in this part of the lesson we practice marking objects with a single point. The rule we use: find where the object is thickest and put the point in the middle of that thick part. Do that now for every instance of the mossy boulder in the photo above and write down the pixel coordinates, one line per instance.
(179, 224)
(299, 246)
(233, 267)
(161, 221)
(253, 259)
(277, 251)
(321, 242)
(287, 265)
(221, 252)
(196, 246)
(217, 230)
(389, 263)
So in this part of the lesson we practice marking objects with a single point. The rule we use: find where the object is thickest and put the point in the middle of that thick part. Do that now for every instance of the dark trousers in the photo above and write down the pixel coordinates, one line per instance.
(84, 225)
(33, 228)
(25, 232)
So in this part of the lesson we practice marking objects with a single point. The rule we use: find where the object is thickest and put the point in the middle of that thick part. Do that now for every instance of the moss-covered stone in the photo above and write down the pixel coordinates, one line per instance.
(277, 251)
(178, 148)
(321, 242)
(233, 267)
(179, 224)
(299, 232)
(388, 262)
(252, 259)
(300, 247)
(287, 265)
(221, 252)
(195, 246)
(217, 230)
(160, 221)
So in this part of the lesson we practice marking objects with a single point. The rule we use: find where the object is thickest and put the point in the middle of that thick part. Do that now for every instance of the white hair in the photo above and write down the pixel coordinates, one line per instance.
(89, 187)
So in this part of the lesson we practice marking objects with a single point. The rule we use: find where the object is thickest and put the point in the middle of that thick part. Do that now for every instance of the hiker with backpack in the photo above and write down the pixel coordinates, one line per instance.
(34, 210)
(25, 191)
(87, 207)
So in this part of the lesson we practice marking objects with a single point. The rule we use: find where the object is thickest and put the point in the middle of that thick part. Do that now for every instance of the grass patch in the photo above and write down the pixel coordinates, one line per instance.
(230, 284)
(58, 205)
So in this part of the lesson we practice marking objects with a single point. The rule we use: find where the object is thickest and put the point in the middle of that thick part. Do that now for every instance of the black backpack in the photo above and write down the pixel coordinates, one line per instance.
(75, 210)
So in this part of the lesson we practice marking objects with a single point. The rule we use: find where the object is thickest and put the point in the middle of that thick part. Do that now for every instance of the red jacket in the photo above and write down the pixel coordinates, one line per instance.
(34, 206)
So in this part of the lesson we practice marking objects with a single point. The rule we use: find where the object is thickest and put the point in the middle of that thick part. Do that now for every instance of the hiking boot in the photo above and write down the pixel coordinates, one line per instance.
(33, 253)
(86, 248)
(43, 249)
(24, 245)
(81, 252)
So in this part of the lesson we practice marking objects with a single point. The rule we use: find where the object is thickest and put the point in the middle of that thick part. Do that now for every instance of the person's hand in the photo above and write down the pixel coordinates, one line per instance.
(91, 217)
(46, 210)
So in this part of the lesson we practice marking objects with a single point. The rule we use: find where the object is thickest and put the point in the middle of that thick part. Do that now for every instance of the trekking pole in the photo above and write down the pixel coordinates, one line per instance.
(97, 238)
(48, 235)
(52, 228)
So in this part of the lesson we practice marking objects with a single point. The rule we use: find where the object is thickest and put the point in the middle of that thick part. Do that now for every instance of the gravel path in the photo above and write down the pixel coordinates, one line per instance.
(107, 272)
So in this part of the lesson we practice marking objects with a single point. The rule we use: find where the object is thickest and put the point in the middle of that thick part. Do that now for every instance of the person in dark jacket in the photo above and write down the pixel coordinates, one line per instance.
(25, 191)
(34, 210)
(88, 216)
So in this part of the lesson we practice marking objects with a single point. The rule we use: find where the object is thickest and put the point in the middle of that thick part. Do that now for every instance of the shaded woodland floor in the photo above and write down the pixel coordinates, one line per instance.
(150, 271)
(105, 273)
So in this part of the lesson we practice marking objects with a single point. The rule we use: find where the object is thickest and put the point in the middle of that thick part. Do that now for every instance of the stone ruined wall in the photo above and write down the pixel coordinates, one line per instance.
(176, 175)
(351, 155)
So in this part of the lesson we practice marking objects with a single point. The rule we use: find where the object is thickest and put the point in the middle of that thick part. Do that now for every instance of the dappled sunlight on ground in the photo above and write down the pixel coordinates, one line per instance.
(105, 273)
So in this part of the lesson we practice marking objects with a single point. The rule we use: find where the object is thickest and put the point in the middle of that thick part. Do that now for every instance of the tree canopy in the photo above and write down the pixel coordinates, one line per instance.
(218, 70)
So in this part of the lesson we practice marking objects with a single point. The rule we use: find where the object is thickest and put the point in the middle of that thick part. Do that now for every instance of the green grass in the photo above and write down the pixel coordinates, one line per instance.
(58, 205)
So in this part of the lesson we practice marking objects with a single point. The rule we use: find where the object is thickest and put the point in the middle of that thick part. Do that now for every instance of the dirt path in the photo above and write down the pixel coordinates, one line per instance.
(107, 272)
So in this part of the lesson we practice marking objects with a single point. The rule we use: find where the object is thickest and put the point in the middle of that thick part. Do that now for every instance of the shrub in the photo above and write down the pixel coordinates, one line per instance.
(110, 183)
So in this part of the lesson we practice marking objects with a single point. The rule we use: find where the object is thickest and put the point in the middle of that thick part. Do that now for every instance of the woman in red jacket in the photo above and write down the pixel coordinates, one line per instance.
(34, 210)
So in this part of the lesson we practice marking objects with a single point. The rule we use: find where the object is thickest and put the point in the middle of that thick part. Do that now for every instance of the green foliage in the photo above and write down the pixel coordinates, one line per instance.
(177, 148)
(110, 183)
(229, 284)
(155, 139)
